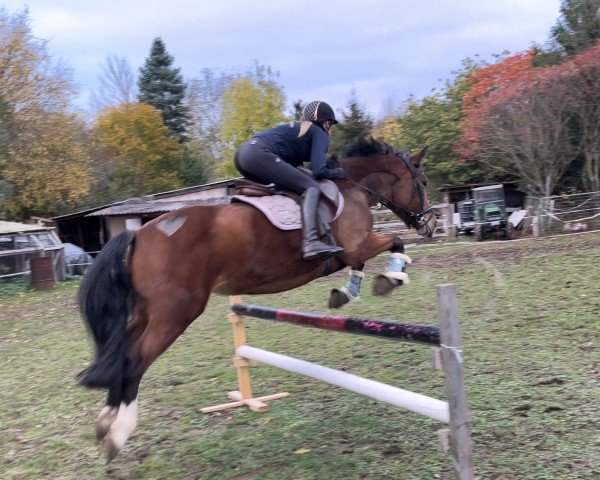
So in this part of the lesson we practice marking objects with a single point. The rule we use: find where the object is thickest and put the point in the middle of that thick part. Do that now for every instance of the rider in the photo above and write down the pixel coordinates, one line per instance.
(271, 157)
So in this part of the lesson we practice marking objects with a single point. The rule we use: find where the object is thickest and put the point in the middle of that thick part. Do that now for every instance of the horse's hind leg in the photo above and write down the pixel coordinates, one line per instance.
(108, 414)
(164, 326)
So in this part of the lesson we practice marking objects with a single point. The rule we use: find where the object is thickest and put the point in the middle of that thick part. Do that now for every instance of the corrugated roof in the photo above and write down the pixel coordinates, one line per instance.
(140, 207)
(197, 188)
(470, 186)
(111, 208)
(15, 227)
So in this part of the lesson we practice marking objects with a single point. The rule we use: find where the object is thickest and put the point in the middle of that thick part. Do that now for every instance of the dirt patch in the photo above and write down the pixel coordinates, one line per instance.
(512, 252)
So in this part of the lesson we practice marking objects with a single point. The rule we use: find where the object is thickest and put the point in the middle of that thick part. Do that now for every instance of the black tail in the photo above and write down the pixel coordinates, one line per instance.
(106, 298)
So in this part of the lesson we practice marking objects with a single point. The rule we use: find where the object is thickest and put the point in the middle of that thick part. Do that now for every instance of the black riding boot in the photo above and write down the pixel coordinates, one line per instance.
(312, 246)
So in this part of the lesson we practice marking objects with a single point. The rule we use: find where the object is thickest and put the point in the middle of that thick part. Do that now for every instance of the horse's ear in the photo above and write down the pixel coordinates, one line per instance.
(418, 158)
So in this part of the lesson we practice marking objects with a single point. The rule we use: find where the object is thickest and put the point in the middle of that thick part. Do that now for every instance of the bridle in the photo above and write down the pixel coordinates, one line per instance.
(416, 220)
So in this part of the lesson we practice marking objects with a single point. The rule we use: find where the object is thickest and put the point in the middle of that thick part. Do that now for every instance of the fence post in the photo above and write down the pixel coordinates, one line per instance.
(460, 437)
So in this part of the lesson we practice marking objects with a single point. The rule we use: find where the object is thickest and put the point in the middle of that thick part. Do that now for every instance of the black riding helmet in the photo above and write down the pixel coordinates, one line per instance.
(318, 112)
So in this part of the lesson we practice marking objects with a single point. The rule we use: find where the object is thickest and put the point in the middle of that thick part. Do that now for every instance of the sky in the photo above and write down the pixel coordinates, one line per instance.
(383, 50)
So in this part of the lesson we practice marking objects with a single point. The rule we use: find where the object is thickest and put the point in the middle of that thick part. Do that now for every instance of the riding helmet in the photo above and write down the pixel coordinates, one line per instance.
(318, 112)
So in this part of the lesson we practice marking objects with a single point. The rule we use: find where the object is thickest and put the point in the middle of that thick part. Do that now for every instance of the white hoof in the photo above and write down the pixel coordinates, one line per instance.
(105, 419)
(110, 449)
(120, 430)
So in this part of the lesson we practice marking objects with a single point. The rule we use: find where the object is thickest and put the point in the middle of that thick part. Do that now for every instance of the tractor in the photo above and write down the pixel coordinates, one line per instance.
(490, 213)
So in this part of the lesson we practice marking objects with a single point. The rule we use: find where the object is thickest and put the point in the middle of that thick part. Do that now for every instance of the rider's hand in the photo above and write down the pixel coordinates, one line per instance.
(334, 162)
(335, 173)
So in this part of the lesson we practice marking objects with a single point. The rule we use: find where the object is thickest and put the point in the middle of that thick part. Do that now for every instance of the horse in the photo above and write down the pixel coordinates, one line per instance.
(146, 287)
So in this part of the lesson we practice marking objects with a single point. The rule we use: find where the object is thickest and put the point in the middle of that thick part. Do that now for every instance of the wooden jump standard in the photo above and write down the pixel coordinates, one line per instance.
(454, 412)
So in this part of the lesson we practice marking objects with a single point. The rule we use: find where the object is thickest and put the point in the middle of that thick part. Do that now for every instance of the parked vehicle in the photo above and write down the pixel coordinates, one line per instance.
(490, 213)
(77, 259)
(466, 212)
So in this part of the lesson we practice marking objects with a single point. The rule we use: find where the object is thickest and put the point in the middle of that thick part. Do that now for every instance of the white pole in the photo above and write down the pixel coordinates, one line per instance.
(415, 402)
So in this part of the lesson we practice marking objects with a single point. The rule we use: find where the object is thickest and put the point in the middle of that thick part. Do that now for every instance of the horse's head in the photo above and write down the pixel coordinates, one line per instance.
(424, 220)
(396, 180)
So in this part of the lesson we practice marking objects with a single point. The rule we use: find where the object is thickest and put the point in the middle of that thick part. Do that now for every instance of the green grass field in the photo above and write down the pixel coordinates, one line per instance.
(530, 319)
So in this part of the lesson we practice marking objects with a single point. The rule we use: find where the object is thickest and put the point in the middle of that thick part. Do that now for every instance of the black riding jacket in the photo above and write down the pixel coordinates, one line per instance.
(311, 147)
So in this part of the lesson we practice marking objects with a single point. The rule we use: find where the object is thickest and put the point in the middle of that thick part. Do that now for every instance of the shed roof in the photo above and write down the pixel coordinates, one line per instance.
(14, 227)
(142, 206)
(469, 186)
(126, 207)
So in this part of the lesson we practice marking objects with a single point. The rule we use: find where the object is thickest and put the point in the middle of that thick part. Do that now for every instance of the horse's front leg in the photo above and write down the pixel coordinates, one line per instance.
(395, 274)
(373, 245)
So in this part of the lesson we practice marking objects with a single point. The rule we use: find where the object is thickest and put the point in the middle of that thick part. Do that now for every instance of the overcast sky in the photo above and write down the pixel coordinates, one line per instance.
(383, 49)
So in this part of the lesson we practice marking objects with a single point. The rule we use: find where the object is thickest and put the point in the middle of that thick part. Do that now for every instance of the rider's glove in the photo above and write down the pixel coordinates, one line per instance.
(334, 173)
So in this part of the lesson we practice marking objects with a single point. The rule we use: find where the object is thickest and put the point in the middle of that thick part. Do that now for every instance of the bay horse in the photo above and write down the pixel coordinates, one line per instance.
(146, 287)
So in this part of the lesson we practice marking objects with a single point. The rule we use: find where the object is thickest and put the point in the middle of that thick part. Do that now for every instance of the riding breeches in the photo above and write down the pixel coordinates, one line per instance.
(258, 163)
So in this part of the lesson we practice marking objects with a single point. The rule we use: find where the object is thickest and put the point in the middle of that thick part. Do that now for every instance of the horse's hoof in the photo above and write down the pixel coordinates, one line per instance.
(110, 449)
(105, 420)
(337, 298)
(383, 285)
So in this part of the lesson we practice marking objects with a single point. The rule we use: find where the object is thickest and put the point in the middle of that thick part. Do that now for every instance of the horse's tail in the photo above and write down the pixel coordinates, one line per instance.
(106, 300)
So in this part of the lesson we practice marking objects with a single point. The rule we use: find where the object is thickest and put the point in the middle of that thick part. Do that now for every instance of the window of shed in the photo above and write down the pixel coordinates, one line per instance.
(23, 241)
(46, 240)
(6, 243)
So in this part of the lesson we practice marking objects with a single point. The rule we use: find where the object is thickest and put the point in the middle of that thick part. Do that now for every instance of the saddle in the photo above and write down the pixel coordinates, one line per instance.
(282, 208)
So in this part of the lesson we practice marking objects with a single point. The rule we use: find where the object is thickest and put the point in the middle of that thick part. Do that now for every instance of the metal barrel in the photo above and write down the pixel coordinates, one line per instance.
(42, 273)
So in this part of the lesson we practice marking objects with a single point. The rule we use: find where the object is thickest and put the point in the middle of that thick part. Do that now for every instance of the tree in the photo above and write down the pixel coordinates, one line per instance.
(355, 123)
(44, 167)
(483, 84)
(49, 170)
(161, 85)
(578, 26)
(5, 187)
(117, 84)
(5, 115)
(146, 159)
(204, 101)
(521, 118)
(252, 103)
(297, 109)
(581, 76)
(436, 121)
(195, 167)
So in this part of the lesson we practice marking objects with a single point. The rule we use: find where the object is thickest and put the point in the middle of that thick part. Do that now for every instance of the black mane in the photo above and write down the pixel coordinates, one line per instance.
(366, 147)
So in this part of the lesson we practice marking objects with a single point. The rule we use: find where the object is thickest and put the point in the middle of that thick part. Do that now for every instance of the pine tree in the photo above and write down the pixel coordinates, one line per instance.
(355, 123)
(161, 86)
(297, 109)
(578, 25)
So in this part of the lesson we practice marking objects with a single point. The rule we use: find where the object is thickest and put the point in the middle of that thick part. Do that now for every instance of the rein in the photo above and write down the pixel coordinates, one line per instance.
(416, 220)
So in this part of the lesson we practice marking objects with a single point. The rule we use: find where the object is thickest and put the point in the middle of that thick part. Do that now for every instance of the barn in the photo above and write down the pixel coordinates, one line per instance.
(91, 229)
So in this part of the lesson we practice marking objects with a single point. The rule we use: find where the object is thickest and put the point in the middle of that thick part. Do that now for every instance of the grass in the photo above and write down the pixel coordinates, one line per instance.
(529, 315)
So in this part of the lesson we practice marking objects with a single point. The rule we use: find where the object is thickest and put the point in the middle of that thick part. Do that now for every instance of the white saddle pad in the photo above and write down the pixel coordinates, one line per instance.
(282, 211)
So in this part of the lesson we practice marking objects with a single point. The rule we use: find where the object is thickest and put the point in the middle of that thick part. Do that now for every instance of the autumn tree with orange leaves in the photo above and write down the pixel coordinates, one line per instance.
(533, 121)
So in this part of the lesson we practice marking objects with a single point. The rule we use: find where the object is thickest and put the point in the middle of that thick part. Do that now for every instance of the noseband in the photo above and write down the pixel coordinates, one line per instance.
(416, 220)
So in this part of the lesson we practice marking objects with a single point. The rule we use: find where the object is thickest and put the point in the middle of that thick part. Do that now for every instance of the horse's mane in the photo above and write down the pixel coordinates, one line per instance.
(364, 147)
